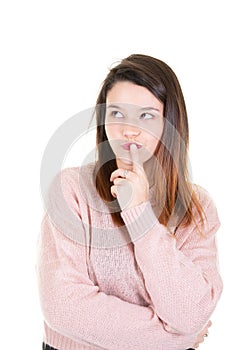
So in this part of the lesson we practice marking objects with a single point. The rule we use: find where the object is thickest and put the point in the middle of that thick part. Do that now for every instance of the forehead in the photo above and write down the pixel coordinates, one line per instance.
(131, 94)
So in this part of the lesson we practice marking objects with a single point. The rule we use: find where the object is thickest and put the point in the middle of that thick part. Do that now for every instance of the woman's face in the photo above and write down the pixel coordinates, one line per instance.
(133, 115)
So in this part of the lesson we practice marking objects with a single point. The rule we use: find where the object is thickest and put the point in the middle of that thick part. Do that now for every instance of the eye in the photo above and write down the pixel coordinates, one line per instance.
(146, 116)
(116, 114)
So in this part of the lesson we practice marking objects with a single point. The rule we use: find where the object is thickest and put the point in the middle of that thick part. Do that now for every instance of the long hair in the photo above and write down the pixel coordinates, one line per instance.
(174, 192)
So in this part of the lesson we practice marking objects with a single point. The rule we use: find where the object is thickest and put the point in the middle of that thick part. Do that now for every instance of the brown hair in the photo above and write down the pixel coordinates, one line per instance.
(174, 193)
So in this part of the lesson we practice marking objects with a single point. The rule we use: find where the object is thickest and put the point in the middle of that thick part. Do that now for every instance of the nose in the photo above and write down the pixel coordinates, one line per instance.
(130, 132)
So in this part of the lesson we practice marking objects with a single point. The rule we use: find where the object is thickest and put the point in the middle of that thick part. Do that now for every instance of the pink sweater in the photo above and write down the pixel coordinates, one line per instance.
(133, 287)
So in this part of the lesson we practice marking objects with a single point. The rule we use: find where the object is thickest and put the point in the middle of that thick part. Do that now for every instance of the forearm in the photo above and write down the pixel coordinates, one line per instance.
(106, 321)
(74, 307)
(182, 295)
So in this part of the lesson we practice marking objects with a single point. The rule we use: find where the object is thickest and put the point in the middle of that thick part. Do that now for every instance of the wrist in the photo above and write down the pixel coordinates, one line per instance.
(139, 219)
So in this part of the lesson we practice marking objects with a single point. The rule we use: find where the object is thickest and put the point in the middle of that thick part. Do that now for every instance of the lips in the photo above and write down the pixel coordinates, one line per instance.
(126, 146)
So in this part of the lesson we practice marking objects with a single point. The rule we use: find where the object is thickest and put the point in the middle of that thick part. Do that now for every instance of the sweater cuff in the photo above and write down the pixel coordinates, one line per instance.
(139, 220)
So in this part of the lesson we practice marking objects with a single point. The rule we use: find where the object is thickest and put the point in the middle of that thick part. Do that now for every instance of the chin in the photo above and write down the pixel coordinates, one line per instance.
(123, 163)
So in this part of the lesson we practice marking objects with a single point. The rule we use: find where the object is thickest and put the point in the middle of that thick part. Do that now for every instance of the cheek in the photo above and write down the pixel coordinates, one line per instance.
(154, 139)
(152, 145)
(111, 131)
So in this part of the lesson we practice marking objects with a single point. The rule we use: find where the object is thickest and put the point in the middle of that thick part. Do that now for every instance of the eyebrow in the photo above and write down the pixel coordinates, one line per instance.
(142, 109)
(150, 108)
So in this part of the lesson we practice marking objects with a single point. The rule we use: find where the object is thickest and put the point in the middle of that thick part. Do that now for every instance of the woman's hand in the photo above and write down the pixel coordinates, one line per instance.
(202, 335)
(130, 187)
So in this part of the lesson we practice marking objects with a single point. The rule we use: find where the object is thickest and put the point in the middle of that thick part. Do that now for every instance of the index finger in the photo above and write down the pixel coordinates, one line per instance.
(134, 157)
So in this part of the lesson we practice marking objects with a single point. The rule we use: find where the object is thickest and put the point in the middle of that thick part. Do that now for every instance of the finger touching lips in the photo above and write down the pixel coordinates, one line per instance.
(134, 156)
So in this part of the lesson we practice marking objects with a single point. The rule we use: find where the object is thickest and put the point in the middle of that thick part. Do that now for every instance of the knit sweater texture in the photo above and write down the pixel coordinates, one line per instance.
(131, 287)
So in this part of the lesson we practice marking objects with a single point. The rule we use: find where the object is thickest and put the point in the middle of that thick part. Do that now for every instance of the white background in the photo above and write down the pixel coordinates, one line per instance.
(54, 57)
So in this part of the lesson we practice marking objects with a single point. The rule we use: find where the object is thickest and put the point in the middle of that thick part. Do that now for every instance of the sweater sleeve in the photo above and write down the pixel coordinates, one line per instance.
(180, 272)
(74, 307)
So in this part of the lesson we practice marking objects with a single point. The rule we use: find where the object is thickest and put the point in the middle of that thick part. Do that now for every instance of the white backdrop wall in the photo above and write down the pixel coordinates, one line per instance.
(54, 57)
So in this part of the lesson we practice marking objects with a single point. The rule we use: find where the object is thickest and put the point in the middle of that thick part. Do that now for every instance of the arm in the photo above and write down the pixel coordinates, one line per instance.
(181, 275)
(73, 306)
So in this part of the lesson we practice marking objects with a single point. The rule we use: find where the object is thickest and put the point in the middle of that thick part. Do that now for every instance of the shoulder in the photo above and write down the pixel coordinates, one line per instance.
(73, 177)
(68, 185)
(64, 202)
(208, 205)
(196, 231)
(203, 196)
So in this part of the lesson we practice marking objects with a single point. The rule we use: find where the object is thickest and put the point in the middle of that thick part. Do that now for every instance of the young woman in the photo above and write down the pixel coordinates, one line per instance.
(128, 259)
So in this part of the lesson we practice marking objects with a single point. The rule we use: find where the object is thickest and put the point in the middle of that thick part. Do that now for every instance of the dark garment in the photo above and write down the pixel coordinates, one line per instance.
(47, 347)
